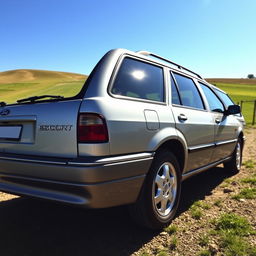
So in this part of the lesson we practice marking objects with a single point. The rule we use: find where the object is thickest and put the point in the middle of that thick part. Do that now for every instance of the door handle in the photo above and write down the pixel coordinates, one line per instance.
(217, 121)
(182, 117)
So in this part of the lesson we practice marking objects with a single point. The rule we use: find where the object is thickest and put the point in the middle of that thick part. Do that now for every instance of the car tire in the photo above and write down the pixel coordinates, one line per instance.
(234, 164)
(159, 198)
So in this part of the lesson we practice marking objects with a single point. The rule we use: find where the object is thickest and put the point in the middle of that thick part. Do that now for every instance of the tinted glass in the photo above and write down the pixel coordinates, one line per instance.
(188, 92)
(139, 80)
(225, 98)
(175, 95)
(214, 103)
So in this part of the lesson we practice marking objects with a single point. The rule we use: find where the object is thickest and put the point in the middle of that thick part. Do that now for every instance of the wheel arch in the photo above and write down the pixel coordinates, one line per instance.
(177, 148)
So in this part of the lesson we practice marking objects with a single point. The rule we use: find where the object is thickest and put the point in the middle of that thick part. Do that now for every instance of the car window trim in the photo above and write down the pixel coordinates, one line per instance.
(176, 86)
(199, 92)
(191, 108)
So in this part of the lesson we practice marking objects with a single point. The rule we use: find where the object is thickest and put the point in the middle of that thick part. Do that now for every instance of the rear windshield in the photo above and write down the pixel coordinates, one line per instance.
(20, 84)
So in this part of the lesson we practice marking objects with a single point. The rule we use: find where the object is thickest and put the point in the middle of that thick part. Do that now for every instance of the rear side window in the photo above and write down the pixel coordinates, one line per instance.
(213, 101)
(141, 80)
(189, 93)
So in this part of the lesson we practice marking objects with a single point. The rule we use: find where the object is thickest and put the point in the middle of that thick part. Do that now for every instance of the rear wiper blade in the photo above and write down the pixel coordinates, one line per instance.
(2, 104)
(34, 98)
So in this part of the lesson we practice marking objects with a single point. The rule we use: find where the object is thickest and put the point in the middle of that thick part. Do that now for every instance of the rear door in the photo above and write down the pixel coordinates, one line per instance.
(137, 109)
(42, 129)
(192, 120)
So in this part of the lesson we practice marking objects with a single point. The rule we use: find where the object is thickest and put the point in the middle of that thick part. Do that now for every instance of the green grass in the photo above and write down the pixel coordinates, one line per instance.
(246, 193)
(171, 229)
(232, 230)
(234, 245)
(249, 164)
(226, 182)
(204, 253)
(173, 243)
(196, 212)
(19, 84)
(250, 180)
(196, 209)
(202, 205)
(233, 224)
(144, 254)
(162, 253)
(204, 240)
(218, 203)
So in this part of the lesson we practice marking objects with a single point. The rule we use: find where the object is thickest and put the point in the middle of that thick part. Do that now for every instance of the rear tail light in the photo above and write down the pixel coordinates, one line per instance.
(91, 128)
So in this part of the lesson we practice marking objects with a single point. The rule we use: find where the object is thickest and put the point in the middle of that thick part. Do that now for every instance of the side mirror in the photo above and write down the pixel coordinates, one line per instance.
(232, 110)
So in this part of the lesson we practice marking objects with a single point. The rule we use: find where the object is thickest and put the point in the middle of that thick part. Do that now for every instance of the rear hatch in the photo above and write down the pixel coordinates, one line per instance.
(40, 129)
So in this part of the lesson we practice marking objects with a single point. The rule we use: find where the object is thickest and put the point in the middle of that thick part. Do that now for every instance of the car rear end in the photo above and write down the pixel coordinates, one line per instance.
(60, 150)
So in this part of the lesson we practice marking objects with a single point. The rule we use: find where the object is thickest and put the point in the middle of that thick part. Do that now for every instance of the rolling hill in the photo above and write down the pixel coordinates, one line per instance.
(16, 84)
(26, 75)
(232, 80)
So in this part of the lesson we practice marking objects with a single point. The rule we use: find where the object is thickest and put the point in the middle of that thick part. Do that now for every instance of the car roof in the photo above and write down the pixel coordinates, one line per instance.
(164, 62)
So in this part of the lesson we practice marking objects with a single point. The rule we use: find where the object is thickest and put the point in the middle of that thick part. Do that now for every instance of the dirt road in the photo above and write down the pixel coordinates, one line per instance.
(34, 227)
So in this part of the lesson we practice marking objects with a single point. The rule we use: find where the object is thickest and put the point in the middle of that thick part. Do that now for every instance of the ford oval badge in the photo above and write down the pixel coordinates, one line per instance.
(5, 112)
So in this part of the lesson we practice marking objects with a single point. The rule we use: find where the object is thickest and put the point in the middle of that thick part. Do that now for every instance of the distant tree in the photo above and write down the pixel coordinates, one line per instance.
(251, 76)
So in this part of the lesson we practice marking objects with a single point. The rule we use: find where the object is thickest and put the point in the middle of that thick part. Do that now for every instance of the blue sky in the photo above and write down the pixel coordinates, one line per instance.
(216, 38)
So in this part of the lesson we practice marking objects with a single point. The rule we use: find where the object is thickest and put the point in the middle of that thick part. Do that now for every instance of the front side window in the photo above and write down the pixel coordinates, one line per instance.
(225, 98)
(141, 80)
(213, 101)
(189, 94)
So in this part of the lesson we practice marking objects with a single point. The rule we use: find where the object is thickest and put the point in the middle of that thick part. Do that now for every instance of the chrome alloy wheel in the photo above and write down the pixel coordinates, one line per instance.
(164, 189)
(238, 156)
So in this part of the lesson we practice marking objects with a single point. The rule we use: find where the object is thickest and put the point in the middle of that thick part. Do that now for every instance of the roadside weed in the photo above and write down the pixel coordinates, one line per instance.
(196, 207)
(226, 182)
(204, 253)
(250, 180)
(162, 253)
(232, 229)
(202, 204)
(144, 254)
(233, 224)
(249, 164)
(204, 240)
(196, 212)
(246, 193)
(173, 243)
(235, 245)
(171, 229)
(218, 202)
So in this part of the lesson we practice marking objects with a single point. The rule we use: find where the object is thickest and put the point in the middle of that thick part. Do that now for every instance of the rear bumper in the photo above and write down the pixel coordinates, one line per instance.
(103, 182)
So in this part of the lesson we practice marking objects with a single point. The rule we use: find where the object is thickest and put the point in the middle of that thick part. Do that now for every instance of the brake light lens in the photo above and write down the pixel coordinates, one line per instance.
(92, 128)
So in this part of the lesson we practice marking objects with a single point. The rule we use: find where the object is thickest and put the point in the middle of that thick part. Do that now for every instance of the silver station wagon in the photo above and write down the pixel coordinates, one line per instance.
(140, 125)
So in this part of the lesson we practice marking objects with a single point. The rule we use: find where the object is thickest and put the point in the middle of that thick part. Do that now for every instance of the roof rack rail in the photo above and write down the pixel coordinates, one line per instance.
(146, 53)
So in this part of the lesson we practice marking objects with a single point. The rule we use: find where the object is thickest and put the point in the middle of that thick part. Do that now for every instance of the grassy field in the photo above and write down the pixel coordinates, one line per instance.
(239, 89)
(17, 84)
